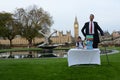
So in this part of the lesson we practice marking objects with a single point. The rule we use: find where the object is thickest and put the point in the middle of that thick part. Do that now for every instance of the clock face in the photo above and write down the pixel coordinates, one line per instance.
(76, 25)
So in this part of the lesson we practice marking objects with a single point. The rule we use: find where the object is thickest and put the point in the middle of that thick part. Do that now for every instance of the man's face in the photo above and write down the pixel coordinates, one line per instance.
(79, 40)
(91, 17)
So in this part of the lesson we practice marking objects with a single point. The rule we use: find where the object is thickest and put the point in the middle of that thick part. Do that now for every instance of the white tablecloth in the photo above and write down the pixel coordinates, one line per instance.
(83, 56)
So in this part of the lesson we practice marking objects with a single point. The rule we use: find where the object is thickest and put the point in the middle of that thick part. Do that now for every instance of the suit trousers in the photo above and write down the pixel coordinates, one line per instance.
(95, 45)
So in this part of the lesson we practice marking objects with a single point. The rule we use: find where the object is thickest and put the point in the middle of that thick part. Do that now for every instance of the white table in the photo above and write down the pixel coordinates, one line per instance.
(83, 56)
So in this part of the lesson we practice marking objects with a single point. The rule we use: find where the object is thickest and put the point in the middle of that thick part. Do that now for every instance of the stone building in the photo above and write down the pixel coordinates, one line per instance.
(111, 39)
(76, 28)
(61, 38)
(116, 34)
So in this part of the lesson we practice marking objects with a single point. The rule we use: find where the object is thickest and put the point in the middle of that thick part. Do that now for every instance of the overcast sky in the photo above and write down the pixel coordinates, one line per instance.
(107, 12)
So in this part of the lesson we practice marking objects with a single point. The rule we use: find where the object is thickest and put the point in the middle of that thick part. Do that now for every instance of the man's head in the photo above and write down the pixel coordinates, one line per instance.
(79, 39)
(91, 17)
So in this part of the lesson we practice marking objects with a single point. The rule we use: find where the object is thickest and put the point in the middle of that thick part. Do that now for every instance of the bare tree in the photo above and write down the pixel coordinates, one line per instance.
(31, 19)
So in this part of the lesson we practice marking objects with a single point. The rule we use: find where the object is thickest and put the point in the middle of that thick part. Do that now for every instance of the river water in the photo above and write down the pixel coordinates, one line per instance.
(32, 54)
(38, 54)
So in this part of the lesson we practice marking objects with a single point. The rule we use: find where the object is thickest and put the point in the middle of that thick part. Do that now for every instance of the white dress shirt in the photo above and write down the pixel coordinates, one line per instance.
(90, 27)
(80, 46)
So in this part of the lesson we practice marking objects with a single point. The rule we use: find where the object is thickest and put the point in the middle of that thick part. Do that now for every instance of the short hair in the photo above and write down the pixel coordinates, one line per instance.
(92, 15)
(79, 37)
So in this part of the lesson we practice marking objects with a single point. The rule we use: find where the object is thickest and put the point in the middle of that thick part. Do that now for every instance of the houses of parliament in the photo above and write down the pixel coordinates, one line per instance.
(59, 38)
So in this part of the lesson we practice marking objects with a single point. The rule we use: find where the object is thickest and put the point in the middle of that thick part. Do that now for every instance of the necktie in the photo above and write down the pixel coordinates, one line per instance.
(91, 28)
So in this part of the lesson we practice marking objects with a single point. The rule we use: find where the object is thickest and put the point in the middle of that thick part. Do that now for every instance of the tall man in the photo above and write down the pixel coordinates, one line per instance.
(92, 28)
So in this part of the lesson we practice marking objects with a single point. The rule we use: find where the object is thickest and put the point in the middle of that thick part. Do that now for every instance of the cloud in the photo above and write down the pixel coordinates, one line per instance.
(106, 12)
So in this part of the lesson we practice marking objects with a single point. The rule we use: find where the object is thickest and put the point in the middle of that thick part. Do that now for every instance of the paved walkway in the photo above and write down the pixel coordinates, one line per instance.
(113, 52)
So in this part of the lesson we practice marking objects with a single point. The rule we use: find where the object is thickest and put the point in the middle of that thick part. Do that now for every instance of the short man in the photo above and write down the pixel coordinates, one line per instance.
(79, 43)
(92, 28)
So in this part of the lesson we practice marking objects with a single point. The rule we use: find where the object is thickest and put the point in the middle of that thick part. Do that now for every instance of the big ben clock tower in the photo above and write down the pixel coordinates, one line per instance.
(76, 29)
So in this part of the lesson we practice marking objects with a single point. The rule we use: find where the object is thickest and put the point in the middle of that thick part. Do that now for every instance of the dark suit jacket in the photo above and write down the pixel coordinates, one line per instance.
(85, 31)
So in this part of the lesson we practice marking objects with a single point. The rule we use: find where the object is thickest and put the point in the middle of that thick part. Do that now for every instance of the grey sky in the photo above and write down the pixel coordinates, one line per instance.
(107, 12)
